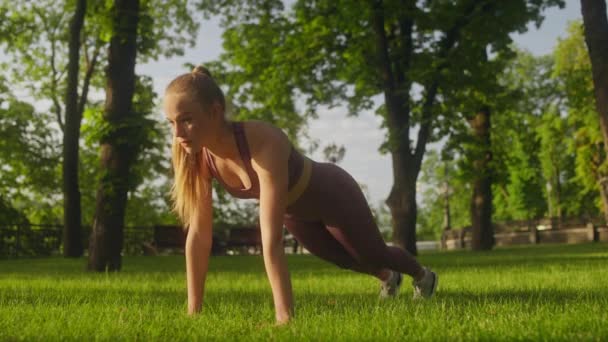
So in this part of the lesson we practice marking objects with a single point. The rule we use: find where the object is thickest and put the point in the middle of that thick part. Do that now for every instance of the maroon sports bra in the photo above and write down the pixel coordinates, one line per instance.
(298, 168)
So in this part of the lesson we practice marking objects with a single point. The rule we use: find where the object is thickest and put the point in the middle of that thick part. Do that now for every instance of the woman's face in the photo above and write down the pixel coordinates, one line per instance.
(192, 126)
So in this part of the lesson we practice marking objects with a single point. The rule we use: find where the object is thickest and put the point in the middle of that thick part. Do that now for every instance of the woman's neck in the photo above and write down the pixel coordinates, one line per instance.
(224, 146)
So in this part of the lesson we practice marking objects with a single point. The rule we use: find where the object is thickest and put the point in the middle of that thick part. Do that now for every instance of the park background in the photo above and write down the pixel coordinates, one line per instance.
(434, 103)
(544, 139)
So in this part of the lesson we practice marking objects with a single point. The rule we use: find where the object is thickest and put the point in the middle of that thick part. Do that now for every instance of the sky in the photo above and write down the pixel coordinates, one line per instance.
(361, 135)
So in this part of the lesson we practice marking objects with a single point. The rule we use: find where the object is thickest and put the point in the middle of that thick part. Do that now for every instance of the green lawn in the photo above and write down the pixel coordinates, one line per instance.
(554, 292)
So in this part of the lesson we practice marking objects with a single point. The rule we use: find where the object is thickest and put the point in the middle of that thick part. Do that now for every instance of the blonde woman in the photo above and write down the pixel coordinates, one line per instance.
(319, 203)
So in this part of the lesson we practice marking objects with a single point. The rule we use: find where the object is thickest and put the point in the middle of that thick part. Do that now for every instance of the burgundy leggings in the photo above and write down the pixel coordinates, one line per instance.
(333, 221)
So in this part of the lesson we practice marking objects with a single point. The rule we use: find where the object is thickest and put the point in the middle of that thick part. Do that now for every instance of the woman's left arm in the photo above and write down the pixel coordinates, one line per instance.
(271, 165)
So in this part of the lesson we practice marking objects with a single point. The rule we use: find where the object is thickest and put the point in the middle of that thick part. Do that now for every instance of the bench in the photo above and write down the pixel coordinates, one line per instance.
(237, 240)
(246, 240)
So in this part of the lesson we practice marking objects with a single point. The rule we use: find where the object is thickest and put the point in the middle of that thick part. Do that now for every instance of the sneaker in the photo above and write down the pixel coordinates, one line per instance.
(425, 288)
(390, 287)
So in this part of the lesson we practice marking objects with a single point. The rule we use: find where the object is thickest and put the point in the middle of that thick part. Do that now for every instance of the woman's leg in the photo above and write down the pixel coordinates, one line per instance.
(350, 221)
(315, 237)
(372, 253)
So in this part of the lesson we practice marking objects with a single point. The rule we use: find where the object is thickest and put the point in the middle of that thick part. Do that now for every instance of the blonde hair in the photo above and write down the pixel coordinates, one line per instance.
(189, 188)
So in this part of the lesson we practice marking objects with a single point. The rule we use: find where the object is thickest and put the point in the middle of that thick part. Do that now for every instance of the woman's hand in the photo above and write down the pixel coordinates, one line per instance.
(283, 318)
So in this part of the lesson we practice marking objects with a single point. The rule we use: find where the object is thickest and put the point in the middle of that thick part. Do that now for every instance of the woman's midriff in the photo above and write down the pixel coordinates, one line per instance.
(326, 187)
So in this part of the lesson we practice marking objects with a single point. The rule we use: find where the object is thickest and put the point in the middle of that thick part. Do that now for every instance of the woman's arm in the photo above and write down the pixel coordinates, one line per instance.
(198, 249)
(271, 165)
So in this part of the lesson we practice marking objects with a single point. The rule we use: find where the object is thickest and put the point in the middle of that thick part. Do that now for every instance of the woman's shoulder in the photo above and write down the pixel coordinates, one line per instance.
(266, 142)
(261, 126)
(260, 134)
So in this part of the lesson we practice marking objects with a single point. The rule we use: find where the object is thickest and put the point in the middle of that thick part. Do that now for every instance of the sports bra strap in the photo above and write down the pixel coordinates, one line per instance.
(243, 146)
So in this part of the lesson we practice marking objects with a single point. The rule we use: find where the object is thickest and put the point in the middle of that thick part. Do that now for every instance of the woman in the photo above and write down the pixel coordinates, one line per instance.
(319, 203)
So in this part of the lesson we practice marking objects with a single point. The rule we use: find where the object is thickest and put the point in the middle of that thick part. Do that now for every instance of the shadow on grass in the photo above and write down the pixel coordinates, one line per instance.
(530, 297)
(516, 262)
(528, 256)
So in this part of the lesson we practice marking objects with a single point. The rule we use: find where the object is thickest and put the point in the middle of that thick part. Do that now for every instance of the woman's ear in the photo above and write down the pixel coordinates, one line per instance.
(217, 111)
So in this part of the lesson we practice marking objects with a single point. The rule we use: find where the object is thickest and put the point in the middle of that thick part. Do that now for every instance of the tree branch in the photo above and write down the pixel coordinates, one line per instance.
(50, 32)
(87, 79)
(384, 65)
(58, 109)
(446, 45)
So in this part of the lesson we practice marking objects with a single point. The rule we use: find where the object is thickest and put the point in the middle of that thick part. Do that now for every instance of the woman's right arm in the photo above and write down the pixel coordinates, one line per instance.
(198, 249)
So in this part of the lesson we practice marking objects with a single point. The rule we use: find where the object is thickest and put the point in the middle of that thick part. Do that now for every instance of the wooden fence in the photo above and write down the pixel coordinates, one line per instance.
(531, 232)
(25, 240)
(28, 240)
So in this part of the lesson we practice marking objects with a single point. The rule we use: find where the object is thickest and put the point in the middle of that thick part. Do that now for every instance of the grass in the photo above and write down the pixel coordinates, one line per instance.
(557, 292)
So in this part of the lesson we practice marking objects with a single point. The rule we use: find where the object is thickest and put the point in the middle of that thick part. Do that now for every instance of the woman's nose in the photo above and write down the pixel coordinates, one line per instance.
(179, 131)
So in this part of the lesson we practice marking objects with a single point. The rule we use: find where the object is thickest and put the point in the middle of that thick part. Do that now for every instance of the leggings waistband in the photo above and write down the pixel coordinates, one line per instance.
(296, 191)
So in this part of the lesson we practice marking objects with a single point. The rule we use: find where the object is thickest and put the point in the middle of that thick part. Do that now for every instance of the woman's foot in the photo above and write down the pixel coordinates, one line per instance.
(427, 284)
(390, 287)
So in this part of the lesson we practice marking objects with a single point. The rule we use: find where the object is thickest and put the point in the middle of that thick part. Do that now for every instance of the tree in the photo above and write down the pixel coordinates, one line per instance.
(556, 161)
(39, 55)
(343, 52)
(481, 201)
(334, 153)
(31, 32)
(572, 70)
(117, 149)
(72, 240)
(518, 177)
(38, 36)
(446, 195)
(596, 36)
(27, 148)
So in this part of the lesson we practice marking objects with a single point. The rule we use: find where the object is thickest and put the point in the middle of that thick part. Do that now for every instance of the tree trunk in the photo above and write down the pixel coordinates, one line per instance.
(603, 183)
(481, 202)
(393, 69)
(117, 151)
(558, 196)
(395, 85)
(402, 203)
(596, 37)
(447, 224)
(72, 230)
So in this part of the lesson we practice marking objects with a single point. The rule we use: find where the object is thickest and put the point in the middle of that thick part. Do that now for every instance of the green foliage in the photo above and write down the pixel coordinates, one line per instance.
(29, 158)
(10, 215)
(558, 165)
(165, 28)
(34, 38)
(573, 72)
(438, 175)
(534, 142)
(329, 53)
(148, 185)
(254, 68)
